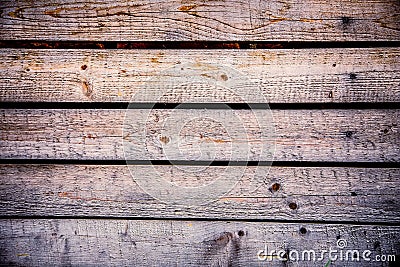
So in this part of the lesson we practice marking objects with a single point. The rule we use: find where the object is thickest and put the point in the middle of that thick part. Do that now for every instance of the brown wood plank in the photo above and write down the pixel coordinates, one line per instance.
(199, 134)
(282, 76)
(152, 20)
(276, 193)
(187, 243)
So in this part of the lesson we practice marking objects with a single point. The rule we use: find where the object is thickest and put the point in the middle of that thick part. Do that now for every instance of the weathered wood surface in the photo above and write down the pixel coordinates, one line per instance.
(200, 20)
(283, 76)
(185, 243)
(276, 193)
(198, 134)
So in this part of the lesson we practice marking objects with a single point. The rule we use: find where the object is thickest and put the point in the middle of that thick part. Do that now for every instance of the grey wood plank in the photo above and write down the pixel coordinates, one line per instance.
(152, 20)
(276, 193)
(201, 134)
(281, 76)
(78, 242)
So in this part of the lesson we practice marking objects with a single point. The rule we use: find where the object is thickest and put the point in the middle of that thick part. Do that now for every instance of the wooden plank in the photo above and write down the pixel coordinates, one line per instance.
(188, 243)
(282, 76)
(200, 134)
(152, 20)
(276, 193)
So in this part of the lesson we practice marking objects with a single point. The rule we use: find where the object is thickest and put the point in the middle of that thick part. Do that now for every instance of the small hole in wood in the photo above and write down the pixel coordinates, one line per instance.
(292, 205)
(275, 187)
(353, 76)
(385, 131)
(345, 20)
(353, 194)
(334, 65)
(83, 67)
(349, 134)
(303, 230)
(241, 233)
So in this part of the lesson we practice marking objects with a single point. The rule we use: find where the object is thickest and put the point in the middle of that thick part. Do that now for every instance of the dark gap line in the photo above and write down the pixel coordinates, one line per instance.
(203, 163)
(55, 217)
(234, 106)
(49, 44)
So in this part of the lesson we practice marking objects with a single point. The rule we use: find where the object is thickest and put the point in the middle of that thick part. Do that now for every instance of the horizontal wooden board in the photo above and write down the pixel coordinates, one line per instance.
(153, 20)
(276, 193)
(280, 76)
(200, 134)
(187, 243)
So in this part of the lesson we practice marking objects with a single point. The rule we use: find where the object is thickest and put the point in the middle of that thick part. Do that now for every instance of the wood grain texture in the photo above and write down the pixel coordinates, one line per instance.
(153, 20)
(183, 243)
(183, 134)
(319, 194)
(282, 76)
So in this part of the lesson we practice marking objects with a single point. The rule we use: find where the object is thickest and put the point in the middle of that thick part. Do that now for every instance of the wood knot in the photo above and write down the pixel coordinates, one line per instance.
(87, 89)
(224, 77)
(223, 239)
(187, 8)
(164, 139)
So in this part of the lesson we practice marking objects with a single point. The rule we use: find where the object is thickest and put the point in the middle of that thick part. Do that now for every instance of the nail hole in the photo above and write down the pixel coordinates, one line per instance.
(241, 233)
(28, 69)
(303, 230)
(353, 194)
(83, 67)
(345, 20)
(349, 134)
(353, 76)
(275, 187)
(334, 65)
(293, 206)
(224, 77)
(385, 131)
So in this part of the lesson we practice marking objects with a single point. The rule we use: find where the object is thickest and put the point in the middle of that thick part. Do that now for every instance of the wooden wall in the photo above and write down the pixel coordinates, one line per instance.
(329, 71)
